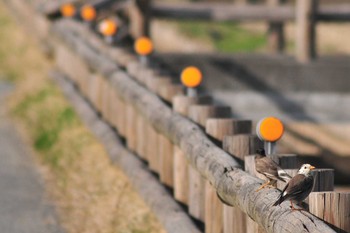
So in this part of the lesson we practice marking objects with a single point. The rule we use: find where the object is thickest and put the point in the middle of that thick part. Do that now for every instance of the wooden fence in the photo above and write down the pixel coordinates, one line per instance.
(305, 13)
(198, 150)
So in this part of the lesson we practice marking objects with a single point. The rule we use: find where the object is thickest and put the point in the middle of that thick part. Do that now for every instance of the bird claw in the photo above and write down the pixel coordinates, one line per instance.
(263, 186)
(295, 209)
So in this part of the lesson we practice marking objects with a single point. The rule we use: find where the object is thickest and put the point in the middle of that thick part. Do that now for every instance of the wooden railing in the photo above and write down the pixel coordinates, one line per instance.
(305, 13)
(195, 147)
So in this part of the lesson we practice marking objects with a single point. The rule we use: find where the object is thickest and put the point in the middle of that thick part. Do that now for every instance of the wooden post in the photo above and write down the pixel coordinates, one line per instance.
(238, 146)
(305, 30)
(105, 99)
(94, 79)
(154, 82)
(181, 105)
(168, 91)
(276, 40)
(121, 121)
(144, 6)
(200, 114)
(113, 106)
(332, 207)
(152, 148)
(218, 128)
(323, 179)
(107, 102)
(141, 136)
(131, 116)
(166, 160)
(119, 111)
(155, 149)
(242, 145)
(140, 16)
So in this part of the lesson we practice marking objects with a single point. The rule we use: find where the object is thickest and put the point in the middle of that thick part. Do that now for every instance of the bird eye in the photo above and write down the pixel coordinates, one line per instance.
(305, 167)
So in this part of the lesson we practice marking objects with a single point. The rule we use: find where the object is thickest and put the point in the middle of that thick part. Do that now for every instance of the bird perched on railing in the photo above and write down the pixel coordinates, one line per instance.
(298, 188)
(270, 169)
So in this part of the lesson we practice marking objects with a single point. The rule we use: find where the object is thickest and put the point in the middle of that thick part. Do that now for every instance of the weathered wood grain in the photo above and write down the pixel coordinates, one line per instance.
(333, 207)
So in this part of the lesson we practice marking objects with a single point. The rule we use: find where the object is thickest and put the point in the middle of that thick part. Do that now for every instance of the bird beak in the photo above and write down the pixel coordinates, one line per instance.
(312, 168)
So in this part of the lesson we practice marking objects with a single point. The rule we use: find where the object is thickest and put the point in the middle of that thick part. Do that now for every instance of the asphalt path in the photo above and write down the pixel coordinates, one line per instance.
(24, 206)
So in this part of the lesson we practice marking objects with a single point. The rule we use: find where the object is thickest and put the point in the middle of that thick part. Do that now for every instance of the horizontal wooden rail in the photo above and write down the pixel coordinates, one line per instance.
(234, 186)
(338, 12)
(232, 12)
(215, 11)
(222, 12)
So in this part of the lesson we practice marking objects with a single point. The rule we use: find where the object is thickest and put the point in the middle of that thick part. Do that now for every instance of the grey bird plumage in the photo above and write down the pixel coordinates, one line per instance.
(269, 168)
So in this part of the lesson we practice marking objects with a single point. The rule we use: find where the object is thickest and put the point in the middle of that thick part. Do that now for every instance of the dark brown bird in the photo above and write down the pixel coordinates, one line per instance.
(299, 187)
(269, 168)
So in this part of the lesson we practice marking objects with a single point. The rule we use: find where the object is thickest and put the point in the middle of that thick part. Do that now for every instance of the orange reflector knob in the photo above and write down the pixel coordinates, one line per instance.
(270, 129)
(67, 10)
(107, 27)
(143, 46)
(191, 77)
(88, 13)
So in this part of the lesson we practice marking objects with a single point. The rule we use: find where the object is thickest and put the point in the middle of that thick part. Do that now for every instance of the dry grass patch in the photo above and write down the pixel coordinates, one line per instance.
(91, 194)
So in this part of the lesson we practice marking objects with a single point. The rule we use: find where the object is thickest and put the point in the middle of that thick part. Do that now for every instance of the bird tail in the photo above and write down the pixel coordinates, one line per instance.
(279, 201)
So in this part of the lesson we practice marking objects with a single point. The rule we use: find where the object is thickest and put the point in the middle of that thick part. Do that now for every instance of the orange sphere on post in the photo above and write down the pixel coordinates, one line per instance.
(67, 10)
(270, 129)
(191, 77)
(88, 13)
(143, 46)
(108, 27)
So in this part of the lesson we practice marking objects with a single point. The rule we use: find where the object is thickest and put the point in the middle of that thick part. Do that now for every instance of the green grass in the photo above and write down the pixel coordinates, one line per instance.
(226, 37)
(50, 121)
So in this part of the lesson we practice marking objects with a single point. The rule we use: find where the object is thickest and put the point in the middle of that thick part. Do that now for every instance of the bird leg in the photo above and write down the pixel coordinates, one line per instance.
(263, 186)
(272, 184)
(293, 208)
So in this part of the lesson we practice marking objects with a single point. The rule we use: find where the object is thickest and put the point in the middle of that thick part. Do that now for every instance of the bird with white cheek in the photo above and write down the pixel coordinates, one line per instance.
(299, 187)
